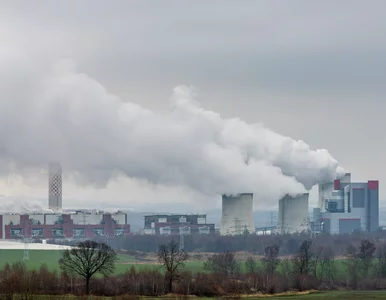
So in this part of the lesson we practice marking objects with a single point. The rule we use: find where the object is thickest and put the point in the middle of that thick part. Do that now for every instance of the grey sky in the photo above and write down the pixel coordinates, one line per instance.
(311, 70)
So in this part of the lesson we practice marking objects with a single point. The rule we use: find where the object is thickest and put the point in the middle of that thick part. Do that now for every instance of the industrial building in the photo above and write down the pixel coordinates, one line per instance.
(55, 187)
(176, 224)
(237, 214)
(79, 225)
(346, 206)
(293, 214)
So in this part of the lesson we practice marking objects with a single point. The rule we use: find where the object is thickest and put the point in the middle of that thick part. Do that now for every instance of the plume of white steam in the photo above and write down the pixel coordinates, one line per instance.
(21, 205)
(63, 115)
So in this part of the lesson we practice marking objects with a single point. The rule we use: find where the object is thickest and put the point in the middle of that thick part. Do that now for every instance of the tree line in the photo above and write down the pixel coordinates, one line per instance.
(256, 244)
(89, 268)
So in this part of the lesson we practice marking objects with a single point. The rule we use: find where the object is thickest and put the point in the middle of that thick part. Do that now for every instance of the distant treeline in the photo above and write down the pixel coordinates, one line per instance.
(256, 244)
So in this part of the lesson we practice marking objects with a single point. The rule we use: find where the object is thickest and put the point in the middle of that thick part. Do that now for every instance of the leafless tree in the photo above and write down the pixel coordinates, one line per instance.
(303, 259)
(328, 264)
(352, 265)
(251, 265)
(222, 263)
(270, 262)
(381, 255)
(366, 252)
(87, 259)
(271, 259)
(173, 260)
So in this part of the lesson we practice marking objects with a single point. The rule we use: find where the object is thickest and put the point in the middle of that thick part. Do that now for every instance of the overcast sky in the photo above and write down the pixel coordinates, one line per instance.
(311, 70)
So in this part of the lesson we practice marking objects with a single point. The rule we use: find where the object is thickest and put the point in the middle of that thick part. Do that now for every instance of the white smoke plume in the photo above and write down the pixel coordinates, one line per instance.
(64, 115)
(21, 205)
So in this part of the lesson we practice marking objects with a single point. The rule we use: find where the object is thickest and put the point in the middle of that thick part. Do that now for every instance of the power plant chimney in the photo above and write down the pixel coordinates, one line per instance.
(55, 187)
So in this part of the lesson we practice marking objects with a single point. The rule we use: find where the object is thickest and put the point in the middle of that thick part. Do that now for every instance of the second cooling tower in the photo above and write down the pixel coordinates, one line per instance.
(237, 214)
(293, 214)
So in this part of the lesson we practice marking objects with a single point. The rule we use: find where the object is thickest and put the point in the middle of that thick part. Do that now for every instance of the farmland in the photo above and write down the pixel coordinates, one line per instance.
(125, 261)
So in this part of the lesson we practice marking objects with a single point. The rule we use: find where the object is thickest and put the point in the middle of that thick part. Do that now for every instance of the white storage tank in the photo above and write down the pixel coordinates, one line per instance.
(293, 214)
(237, 214)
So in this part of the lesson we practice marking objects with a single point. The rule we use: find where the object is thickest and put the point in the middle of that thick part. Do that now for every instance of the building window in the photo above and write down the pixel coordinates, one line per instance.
(162, 220)
(165, 230)
(37, 232)
(358, 196)
(118, 231)
(78, 232)
(57, 232)
(185, 230)
(201, 220)
(99, 231)
(204, 230)
(182, 220)
(16, 232)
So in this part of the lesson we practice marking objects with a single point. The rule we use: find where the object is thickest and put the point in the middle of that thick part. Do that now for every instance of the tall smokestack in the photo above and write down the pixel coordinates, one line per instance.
(55, 187)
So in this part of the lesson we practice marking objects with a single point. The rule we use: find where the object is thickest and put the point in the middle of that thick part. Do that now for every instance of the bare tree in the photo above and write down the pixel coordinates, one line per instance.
(352, 265)
(250, 265)
(381, 255)
(366, 256)
(303, 259)
(271, 259)
(270, 262)
(87, 259)
(172, 260)
(222, 263)
(328, 264)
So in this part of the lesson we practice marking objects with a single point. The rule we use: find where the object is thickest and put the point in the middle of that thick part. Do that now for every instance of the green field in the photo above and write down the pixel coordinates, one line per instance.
(51, 257)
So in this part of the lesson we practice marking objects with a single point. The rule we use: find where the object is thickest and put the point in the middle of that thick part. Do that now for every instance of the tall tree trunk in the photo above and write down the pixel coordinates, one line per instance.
(170, 284)
(87, 287)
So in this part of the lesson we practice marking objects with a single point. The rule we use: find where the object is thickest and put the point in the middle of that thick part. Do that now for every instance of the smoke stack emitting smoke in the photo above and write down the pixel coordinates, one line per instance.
(69, 117)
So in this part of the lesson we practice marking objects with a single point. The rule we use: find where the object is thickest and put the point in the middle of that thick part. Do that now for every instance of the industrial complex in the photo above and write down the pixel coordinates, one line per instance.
(343, 207)
(61, 223)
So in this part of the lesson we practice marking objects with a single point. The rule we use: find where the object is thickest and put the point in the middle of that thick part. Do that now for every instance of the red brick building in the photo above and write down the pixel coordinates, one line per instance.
(70, 225)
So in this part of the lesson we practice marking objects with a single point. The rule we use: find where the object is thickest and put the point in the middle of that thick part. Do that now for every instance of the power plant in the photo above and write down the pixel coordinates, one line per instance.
(293, 214)
(343, 207)
(348, 207)
(237, 214)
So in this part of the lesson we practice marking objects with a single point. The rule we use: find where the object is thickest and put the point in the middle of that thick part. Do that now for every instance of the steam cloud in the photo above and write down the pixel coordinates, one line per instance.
(63, 115)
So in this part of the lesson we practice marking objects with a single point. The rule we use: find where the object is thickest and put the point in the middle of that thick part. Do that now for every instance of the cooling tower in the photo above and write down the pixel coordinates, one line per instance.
(293, 214)
(55, 187)
(237, 214)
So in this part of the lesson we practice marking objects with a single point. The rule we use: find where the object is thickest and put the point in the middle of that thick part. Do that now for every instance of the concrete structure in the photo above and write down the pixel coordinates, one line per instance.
(348, 207)
(237, 214)
(326, 189)
(55, 187)
(175, 224)
(69, 225)
(293, 214)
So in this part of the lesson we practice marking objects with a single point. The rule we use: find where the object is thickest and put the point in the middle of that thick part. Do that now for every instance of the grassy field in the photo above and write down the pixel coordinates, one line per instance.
(125, 262)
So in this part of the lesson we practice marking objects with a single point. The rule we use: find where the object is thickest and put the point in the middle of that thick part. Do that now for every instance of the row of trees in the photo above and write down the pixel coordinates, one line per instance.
(312, 266)
(289, 244)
